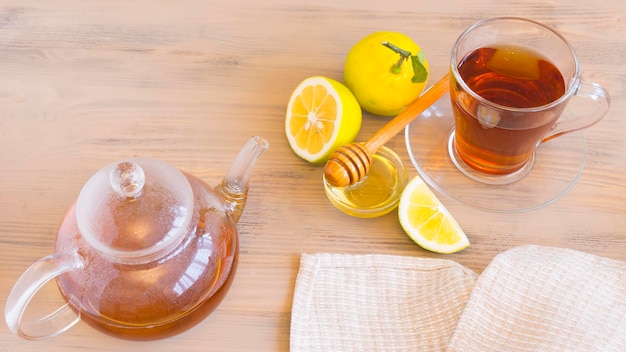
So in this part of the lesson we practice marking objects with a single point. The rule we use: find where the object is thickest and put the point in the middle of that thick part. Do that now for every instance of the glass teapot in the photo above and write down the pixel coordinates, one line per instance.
(145, 252)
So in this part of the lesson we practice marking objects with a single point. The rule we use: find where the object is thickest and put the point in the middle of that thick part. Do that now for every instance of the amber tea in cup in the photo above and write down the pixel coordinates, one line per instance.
(531, 82)
(511, 81)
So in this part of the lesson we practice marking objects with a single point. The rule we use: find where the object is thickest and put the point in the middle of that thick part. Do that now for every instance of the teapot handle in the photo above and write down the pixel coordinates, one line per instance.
(31, 281)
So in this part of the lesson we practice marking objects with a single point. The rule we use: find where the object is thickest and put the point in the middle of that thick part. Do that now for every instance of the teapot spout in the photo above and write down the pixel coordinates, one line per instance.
(234, 186)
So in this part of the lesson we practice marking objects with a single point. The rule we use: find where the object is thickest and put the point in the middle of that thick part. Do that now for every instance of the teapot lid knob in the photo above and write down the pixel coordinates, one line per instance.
(133, 211)
(127, 179)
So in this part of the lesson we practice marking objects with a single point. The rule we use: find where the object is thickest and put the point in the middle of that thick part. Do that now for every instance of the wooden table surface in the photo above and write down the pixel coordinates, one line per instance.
(85, 83)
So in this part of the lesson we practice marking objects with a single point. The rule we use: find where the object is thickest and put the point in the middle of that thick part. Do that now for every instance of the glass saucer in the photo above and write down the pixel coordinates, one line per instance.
(558, 165)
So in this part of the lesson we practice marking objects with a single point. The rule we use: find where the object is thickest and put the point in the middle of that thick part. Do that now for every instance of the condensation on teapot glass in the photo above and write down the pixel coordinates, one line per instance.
(134, 210)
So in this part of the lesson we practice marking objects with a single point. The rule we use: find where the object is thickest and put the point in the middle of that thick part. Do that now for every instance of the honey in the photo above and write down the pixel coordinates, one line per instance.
(377, 193)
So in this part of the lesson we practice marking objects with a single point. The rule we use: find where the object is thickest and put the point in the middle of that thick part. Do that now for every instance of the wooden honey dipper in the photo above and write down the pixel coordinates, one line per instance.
(351, 162)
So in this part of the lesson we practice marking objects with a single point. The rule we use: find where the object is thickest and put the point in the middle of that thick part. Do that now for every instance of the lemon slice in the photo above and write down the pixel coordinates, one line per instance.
(424, 218)
(322, 115)
(515, 62)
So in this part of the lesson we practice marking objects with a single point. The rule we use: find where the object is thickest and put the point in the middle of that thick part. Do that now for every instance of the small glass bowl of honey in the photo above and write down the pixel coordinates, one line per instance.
(378, 192)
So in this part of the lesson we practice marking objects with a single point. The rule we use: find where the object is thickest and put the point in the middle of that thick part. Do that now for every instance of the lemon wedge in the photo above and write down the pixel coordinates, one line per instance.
(322, 115)
(427, 222)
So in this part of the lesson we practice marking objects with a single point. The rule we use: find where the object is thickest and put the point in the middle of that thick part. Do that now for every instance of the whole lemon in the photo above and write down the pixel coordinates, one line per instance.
(386, 71)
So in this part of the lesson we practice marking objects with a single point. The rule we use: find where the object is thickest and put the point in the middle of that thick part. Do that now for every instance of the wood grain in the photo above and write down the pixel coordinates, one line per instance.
(85, 83)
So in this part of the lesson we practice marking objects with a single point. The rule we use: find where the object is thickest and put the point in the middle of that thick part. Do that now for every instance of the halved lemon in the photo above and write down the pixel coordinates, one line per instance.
(427, 222)
(322, 115)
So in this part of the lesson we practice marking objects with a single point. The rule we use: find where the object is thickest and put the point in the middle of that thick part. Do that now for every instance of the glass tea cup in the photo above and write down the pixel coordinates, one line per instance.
(511, 80)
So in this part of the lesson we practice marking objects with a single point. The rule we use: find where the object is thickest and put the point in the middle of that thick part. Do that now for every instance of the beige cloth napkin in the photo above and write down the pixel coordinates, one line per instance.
(545, 299)
(528, 299)
(377, 303)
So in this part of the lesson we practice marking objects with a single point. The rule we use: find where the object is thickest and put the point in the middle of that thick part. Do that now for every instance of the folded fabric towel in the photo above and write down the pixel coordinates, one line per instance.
(528, 299)
(545, 299)
(377, 303)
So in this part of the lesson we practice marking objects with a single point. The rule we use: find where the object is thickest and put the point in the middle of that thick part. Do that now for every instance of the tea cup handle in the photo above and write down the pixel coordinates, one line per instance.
(600, 98)
(31, 281)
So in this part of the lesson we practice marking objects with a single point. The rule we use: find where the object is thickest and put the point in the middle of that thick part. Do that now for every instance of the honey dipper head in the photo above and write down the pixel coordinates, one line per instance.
(347, 165)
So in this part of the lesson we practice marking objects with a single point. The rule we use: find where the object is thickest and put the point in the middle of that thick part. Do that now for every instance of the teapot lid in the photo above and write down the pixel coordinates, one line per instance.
(135, 210)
